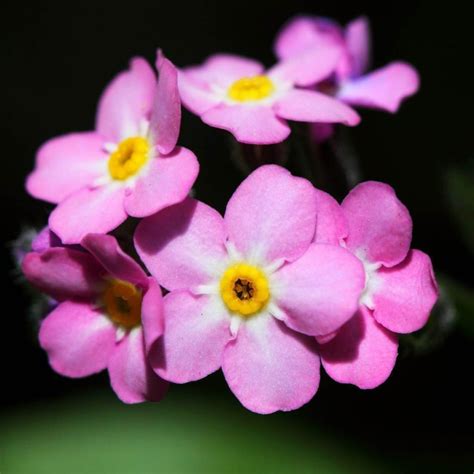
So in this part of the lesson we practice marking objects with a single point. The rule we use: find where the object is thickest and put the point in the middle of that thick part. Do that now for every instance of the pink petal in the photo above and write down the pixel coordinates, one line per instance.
(182, 245)
(320, 291)
(131, 376)
(107, 251)
(384, 88)
(45, 239)
(331, 226)
(363, 353)
(311, 106)
(152, 313)
(167, 181)
(126, 101)
(196, 95)
(272, 214)
(98, 210)
(78, 339)
(303, 32)
(357, 37)
(406, 294)
(166, 113)
(308, 67)
(379, 224)
(271, 368)
(64, 273)
(254, 124)
(65, 165)
(197, 330)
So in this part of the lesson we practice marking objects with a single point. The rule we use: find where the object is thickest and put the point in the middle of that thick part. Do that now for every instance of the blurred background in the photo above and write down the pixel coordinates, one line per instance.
(57, 58)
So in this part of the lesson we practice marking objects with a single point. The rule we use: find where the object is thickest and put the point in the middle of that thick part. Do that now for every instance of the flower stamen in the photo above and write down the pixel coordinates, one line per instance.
(249, 89)
(130, 155)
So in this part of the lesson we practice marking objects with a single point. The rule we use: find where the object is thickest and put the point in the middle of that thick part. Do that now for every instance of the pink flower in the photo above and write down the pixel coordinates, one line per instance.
(128, 166)
(104, 297)
(384, 88)
(236, 94)
(400, 287)
(246, 290)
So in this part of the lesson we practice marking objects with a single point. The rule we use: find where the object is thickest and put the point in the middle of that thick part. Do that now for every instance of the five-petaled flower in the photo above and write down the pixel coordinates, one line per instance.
(400, 287)
(104, 298)
(238, 95)
(248, 290)
(129, 166)
(384, 88)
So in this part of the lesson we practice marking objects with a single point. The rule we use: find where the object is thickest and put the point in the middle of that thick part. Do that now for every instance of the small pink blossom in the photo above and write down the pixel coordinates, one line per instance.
(248, 290)
(384, 88)
(94, 326)
(236, 94)
(400, 287)
(128, 166)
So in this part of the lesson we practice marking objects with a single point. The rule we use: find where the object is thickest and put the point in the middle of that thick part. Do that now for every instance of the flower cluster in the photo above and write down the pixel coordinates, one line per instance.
(286, 279)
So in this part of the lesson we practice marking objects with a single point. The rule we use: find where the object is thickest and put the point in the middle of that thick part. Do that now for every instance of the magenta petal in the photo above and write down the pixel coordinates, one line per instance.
(311, 106)
(380, 225)
(384, 88)
(357, 37)
(45, 239)
(131, 376)
(303, 32)
(88, 211)
(166, 113)
(78, 339)
(64, 273)
(321, 132)
(269, 367)
(65, 165)
(183, 245)
(107, 251)
(363, 353)
(320, 291)
(331, 225)
(197, 330)
(405, 294)
(167, 181)
(126, 101)
(152, 313)
(254, 124)
(272, 214)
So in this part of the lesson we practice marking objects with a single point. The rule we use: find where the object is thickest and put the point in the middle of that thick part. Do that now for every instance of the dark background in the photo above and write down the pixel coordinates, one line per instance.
(57, 58)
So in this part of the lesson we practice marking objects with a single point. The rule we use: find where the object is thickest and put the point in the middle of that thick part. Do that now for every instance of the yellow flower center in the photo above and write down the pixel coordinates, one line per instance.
(128, 158)
(249, 89)
(244, 289)
(123, 303)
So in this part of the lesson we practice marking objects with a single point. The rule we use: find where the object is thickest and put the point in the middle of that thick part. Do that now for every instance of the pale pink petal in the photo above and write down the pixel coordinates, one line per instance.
(87, 211)
(166, 113)
(312, 106)
(168, 180)
(118, 264)
(196, 95)
(405, 294)
(254, 124)
(78, 339)
(131, 376)
(182, 245)
(303, 32)
(152, 313)
(363, 353)
(197, 330)
(331, 226)
(270, 367)
(320, 291)
(64, 273)
(308, 67)
(272, 214)
(384, 88)
(379, 224)
(357, 35)
(126, 101)
(65, 165)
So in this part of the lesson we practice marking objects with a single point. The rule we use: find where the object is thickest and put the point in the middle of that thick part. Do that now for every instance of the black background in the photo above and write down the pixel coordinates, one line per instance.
(56, 59)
